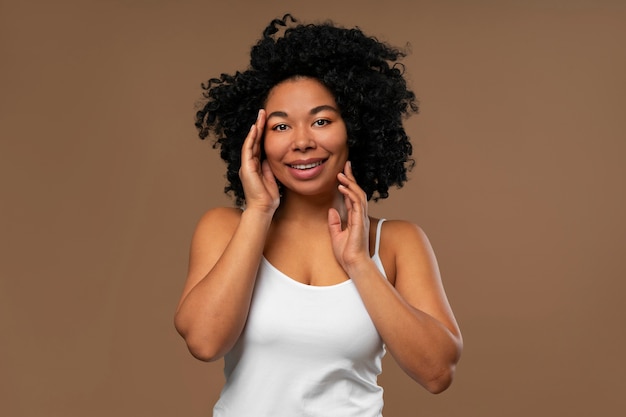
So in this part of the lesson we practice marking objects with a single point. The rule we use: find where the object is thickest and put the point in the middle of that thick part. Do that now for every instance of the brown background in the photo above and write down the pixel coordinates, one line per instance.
(519, 183)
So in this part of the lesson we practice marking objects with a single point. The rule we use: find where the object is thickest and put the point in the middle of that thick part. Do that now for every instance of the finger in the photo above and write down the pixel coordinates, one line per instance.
(334, 222)
(345, 180)
(267, 172)
(260, 121)
(247, 149)
(351, 184)
(259, 125)
(348, 171)
(250, 143)
(355, 202)
(352, 201)
(347, 200)
(347, 177)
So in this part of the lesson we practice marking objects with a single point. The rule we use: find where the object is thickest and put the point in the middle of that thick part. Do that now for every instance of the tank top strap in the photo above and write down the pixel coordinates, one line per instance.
(378, 229)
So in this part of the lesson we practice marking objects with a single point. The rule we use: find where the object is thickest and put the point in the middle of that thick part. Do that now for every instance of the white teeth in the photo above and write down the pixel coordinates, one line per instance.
(307, 166)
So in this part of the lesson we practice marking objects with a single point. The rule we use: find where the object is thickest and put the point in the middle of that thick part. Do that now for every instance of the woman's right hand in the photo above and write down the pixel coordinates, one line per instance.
(259, 183)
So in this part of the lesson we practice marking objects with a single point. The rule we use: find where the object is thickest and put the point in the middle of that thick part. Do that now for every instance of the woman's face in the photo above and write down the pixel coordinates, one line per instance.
(305, 136)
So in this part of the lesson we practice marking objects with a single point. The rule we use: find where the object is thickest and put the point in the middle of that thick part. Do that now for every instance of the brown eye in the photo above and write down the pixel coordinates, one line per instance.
(321, 122)
(280, 127)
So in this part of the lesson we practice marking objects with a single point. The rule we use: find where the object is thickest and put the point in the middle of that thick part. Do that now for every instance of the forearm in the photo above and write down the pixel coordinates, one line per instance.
(213, 314)
(424, 347)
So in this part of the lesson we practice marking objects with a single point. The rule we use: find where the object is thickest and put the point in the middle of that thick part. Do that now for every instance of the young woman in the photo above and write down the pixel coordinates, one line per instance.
(298, 288)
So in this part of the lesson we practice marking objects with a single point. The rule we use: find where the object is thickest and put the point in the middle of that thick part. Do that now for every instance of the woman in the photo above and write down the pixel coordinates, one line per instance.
(301, 291)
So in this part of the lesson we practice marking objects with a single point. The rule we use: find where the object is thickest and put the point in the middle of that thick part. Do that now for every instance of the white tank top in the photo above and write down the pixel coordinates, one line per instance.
(305, 351)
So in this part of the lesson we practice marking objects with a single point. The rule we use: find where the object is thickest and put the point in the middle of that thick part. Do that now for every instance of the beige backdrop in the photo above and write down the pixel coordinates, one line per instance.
(519, 183)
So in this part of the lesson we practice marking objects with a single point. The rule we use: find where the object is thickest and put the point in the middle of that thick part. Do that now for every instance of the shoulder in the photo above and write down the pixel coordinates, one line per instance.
(395, 233)
(404, 245)
(406, 238)
(217, 224)
(213, 232)
(220, 216)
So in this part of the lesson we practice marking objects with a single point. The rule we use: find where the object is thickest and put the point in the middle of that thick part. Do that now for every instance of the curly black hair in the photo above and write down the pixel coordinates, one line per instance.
(363, 74)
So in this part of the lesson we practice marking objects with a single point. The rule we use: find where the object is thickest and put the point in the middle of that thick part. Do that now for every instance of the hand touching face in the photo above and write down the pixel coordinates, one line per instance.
(257, 178)
(305, 136)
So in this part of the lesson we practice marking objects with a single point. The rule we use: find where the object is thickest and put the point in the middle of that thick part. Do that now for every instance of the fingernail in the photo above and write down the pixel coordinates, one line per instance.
(258, 115)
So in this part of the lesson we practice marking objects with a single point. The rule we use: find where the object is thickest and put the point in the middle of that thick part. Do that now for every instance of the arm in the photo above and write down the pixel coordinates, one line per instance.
(413, 316)
(225, 254)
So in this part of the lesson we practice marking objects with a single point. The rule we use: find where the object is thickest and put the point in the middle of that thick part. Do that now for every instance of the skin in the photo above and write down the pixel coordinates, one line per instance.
(318, 233)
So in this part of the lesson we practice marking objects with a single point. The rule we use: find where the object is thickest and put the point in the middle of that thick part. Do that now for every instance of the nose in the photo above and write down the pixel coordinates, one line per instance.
(303, 140)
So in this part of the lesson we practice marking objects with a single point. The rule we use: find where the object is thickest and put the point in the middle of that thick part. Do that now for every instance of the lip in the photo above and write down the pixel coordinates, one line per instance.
(307, 161)
(317, 166)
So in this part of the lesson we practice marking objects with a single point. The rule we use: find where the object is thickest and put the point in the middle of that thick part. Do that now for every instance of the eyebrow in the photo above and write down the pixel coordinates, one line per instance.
(313, 111)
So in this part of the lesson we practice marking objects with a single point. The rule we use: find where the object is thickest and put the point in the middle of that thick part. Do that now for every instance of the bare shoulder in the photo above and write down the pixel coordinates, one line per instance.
(417, 275)
(219, 220)
(213, 232)
(406, 251)
(417, 278)
(403, 227)
(402, 236)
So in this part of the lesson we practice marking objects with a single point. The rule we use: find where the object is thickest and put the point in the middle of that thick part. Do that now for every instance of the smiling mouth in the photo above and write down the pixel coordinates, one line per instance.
(307, 166)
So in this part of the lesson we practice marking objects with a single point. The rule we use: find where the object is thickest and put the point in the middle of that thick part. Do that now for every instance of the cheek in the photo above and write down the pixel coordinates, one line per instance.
(338, 142)
(273, 151)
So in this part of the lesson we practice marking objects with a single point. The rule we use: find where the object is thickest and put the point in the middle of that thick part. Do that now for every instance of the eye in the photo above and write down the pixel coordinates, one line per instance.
(280, 127)
(321, 122)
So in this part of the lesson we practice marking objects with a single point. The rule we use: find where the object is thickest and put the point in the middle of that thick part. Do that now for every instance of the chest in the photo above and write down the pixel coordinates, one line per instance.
(309, 321)
(306, 256)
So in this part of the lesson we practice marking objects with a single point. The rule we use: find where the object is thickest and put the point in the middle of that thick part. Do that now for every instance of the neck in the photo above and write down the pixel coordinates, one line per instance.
(309, 209)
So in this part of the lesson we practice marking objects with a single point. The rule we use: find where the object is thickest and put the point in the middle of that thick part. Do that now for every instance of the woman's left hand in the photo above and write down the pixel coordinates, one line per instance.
(350, 244)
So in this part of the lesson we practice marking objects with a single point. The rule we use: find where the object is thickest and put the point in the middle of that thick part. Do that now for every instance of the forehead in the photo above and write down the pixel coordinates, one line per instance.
(299, 91)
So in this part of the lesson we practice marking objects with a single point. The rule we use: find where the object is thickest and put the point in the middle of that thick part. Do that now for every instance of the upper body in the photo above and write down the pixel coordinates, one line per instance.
(306, 350)
(305, 178)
